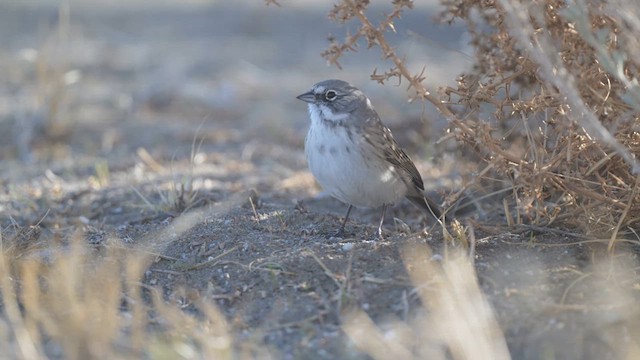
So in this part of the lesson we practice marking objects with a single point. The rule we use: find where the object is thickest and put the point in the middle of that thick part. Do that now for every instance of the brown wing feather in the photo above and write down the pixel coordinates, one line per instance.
(381, 139)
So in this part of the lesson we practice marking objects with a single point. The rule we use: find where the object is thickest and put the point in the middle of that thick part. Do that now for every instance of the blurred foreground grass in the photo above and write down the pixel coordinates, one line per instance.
(74, 301)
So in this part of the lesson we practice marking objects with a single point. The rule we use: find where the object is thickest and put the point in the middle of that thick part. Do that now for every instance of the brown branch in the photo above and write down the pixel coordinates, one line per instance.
(416, 84)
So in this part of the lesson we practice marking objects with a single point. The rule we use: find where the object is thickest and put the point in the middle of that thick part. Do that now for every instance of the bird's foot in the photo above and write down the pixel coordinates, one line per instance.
(372, 238)
(337, 235)
(379, 236)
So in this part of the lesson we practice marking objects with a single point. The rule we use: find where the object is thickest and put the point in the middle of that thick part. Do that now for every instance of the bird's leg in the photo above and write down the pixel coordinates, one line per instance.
(340, 232)
(384, 207)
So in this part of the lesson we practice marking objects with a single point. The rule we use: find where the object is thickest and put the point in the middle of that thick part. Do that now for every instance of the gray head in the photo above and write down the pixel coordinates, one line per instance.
(334, 100)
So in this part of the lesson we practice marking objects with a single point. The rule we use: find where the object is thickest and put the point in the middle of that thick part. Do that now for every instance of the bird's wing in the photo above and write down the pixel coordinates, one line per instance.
(385, 146)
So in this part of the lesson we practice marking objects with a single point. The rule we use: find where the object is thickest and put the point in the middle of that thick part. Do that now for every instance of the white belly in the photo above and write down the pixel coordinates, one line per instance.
(342, 171)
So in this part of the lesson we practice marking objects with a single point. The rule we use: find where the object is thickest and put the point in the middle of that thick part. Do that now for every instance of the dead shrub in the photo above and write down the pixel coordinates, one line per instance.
(560, 82)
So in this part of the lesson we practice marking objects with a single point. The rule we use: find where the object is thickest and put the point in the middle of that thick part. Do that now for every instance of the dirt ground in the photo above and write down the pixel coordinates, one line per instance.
(97, 133)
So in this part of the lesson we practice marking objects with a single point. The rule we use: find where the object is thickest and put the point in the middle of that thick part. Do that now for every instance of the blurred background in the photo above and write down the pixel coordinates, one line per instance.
(140, 99)
(87, 79)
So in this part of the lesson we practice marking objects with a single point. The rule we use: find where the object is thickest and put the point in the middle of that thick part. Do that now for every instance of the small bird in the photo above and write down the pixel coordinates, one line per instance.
(354, 156)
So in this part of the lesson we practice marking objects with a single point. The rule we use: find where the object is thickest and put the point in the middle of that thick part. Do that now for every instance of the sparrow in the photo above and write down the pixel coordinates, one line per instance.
(354, 156)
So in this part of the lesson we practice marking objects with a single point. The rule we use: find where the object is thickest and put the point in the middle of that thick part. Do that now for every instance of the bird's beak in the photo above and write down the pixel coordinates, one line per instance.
(309, 97)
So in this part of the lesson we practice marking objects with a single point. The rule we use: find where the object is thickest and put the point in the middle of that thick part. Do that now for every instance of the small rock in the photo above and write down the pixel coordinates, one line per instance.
(436, 257)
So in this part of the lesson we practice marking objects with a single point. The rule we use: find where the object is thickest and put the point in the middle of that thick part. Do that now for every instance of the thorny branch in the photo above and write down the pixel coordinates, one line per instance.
(561, 165)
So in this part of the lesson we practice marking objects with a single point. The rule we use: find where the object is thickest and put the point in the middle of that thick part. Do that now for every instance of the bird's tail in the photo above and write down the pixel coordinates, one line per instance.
(426, 204)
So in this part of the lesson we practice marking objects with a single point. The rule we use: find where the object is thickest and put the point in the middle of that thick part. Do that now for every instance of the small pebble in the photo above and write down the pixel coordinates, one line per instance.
(436, 257)
(347, 246)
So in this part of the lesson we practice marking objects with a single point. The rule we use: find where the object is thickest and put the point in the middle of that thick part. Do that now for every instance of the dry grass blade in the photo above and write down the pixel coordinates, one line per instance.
(459, 324)
(614, 234)
(94, 308)
(211, 261)
(461, 316)
(369, 339)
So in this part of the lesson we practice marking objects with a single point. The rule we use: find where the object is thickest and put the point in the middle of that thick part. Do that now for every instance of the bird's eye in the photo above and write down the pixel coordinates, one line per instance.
(330, 95)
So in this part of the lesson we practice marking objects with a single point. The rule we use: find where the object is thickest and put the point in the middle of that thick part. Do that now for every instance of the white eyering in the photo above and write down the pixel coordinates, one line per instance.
(343, 173)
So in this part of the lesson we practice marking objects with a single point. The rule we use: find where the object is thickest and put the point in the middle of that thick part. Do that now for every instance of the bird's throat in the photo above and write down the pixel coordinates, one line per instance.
(322, 115)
